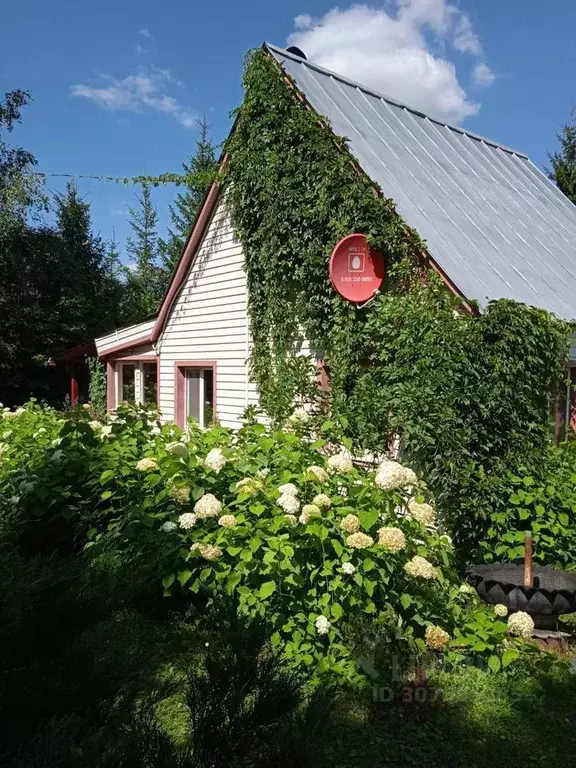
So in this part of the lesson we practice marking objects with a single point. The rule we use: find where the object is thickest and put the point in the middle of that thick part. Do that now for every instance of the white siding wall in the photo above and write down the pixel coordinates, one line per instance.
(208, 322)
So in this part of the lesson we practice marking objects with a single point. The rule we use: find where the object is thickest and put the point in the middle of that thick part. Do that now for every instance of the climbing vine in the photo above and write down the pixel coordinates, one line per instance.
(97, 386)
(469, 395)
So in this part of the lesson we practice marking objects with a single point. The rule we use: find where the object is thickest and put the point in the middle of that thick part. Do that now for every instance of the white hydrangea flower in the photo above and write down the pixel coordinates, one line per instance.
(288, 489)
(96, 425)
(248, 485)
(227, 521)
(318, 473)
(348, 569)
(350, 524)
(180, 493)
(359, 541)
(207, 551)
(322, 500)
(289, 504)
(208, 506)
(423, 513)
(300, 416)
(391, 475)
(146, 465)
(392, 539)
(187, 520)
(178, 449)
(170, 526)
(436, 638)
(501, 610)
(521, 624)
(86, 406)
(308, 512)
(340, 463)
(420, 567)
(215, 460)
(263, 473)
(106, 431)
(291, 519)
(322, 625)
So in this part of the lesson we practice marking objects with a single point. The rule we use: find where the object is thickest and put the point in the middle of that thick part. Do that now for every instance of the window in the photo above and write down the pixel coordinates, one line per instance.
(199, 395)
(127, 383)
(138, 382)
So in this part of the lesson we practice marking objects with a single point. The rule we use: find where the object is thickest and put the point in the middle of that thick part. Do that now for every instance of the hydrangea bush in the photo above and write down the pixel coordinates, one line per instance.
(282, 522)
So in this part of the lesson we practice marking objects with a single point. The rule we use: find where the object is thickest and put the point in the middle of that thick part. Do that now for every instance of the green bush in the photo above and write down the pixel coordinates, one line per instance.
(542, 501)
(280, 521)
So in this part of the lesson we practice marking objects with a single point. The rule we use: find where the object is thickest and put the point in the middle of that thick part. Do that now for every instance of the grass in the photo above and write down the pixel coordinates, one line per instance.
(477, 720)
(96, 669)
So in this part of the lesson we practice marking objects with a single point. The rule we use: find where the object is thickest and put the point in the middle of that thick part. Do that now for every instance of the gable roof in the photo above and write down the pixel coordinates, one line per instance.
(492, 221)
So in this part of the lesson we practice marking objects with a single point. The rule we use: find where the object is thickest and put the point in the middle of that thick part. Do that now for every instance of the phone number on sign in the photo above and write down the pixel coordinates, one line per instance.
(355, 279)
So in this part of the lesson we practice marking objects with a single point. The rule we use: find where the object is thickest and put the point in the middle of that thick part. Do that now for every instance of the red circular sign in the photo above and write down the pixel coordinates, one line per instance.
(356, 270)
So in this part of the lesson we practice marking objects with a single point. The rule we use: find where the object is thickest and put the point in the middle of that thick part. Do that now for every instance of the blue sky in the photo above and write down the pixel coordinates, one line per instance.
(117, 85)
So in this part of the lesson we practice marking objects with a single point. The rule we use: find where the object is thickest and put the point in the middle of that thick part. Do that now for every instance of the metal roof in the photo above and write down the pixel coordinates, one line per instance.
(492, 221)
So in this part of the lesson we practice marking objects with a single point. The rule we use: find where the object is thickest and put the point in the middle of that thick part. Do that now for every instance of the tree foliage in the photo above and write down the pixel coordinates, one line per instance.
(57, 285)
(469, 397)
(145, 281)
(198, 174)
(563, 161)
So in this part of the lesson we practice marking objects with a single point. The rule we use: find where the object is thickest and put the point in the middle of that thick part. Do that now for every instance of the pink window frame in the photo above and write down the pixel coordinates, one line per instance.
(180, 386)
(111, 369)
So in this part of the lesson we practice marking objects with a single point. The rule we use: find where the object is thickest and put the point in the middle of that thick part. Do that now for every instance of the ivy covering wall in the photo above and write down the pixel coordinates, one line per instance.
(469, 395)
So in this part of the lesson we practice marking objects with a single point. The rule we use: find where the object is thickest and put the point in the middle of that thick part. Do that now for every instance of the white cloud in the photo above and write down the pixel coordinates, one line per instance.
(302, 21)
(145, 33)
(465, 39)
(399, 50)
(139, 92)
(139, 51)
(482, 74)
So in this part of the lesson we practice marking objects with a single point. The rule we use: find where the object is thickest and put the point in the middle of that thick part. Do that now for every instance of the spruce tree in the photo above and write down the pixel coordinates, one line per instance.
(199, 168)
(88, 288)
(144, 278)
(563, 170)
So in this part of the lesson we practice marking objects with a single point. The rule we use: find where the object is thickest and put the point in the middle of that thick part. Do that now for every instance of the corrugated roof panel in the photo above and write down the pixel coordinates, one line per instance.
(491, 219)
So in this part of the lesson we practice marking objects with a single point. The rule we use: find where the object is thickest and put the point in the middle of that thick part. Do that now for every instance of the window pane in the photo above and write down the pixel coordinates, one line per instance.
(150, 385)
(127, 388)
(193, 393)
(208, 396)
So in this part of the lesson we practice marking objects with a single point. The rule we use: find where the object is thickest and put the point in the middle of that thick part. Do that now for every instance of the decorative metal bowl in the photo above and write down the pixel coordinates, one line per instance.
(552, 592)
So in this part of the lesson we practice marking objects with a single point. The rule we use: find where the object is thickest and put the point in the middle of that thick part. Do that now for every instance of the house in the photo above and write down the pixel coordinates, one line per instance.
(494, 227)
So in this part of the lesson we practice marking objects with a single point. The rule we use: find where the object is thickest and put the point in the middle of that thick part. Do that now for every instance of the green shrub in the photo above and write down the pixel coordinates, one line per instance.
(542, 501)
(280, 521)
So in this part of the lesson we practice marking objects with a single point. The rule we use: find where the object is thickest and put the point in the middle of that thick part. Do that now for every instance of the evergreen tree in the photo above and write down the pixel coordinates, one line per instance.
(89, 291)
(144, 277)
(200, 169)
(563, 170)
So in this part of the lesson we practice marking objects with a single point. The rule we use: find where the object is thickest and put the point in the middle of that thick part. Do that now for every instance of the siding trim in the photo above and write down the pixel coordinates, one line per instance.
(125, 345)
(180, 387)
(188, 255)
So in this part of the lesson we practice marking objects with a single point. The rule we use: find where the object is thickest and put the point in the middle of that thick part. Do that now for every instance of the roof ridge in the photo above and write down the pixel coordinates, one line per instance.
(371, 91)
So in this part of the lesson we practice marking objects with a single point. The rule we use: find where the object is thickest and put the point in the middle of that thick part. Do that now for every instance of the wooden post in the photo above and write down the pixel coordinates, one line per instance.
(74, 388)
(528, 559)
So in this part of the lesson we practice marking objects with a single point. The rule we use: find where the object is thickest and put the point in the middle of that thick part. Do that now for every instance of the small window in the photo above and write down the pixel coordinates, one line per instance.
(127, 383)
(199, 395)
(150, 383)
(138, 382)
